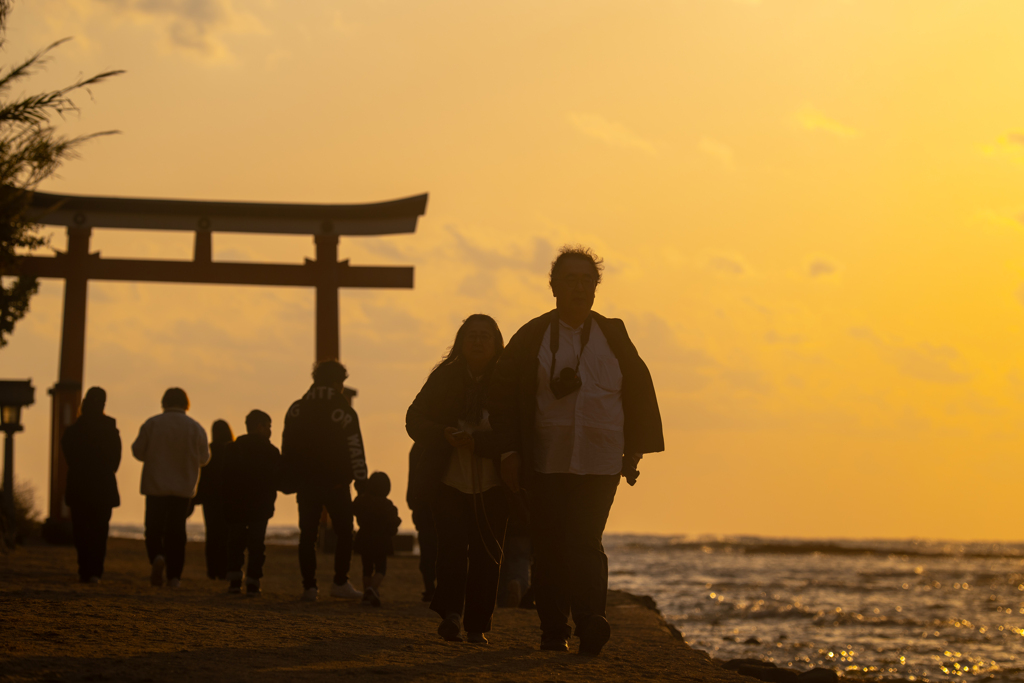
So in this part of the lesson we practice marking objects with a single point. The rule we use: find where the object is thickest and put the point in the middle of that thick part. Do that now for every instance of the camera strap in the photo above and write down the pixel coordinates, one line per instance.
(556, 333)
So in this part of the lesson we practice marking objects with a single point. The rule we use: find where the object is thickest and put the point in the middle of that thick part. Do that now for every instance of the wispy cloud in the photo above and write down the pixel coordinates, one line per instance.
(1009, 146)
(925, 361)
(820, 267)
(195, 25)
(813, 119)
(718, 151)
(730, 265)
(609, 132)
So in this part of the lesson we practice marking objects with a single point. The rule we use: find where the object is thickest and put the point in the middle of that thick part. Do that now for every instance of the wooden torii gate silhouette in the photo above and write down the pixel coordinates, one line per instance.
(79, 214)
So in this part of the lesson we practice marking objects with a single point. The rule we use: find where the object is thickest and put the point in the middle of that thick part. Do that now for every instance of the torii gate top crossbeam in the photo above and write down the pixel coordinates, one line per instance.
(383, 218)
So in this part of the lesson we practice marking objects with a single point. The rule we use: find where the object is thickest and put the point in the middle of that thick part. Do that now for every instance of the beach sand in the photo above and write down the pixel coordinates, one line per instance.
(53, 628)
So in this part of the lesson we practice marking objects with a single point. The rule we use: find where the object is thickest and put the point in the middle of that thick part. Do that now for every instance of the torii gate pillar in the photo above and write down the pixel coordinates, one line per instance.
(328, 345)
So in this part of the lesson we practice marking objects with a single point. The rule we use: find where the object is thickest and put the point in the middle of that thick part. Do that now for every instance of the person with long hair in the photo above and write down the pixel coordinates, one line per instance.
(211, 497)
(458, 459)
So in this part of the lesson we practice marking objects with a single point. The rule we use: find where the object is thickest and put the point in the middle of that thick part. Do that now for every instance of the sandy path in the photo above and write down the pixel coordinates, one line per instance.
(55, 629)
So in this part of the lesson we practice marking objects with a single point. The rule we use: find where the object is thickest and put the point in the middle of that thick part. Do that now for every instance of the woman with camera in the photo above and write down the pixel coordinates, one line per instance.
(457, 460)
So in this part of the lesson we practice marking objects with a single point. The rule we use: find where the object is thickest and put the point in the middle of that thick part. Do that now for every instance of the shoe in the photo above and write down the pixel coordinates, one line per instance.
(92, 580)
(310, 594)
(450, 628)
(252, 588)
(371, 597)
(156, 574)
(347, 591)
(513, 594)
(594, 636)
(476, 638)
(554, 644)
(173, 583)
(235, 586)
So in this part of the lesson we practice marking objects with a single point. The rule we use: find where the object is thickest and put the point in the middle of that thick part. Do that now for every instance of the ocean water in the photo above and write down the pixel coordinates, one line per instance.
(875, 610)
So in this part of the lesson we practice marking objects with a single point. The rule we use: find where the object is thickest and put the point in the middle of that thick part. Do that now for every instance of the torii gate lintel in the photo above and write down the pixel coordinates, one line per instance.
(76, 266)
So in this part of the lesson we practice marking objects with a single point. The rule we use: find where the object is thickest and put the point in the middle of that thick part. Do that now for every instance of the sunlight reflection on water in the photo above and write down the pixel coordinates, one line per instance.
(907, 610)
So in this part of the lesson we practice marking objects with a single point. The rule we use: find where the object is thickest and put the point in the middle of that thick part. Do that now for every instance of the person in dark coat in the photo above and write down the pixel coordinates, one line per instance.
(574, 409)
(92, 449)
(252, 470)
(211, 497)
(459, 466)
(323, 450)
(378, 523)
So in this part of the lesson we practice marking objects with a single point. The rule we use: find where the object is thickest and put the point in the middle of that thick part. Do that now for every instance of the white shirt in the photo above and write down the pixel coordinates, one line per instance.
(172, 447)
(470, 473)
(581, 433)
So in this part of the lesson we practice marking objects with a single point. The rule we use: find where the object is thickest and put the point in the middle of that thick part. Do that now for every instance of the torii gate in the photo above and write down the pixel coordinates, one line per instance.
(325, 222)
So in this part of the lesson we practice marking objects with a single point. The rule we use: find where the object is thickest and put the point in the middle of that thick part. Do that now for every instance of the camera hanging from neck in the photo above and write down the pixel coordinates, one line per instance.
(568, 379)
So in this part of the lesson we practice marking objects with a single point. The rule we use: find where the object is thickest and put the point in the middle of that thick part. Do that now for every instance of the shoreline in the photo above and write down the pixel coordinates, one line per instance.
(124, 629)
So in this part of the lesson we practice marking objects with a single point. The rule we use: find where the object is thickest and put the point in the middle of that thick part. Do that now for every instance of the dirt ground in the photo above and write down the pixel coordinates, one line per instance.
(54, 629)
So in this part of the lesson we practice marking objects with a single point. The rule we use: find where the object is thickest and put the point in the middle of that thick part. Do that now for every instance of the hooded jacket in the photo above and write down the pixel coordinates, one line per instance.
(321, 443)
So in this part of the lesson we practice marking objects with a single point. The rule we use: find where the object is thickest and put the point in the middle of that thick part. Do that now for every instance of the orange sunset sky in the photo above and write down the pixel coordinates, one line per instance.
(810, 212)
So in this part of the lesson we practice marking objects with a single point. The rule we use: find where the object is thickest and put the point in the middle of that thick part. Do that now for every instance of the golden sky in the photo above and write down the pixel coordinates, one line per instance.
(810, 212)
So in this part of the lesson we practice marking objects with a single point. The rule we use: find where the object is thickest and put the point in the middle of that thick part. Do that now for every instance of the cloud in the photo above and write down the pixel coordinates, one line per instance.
(611, 133)
(925, 361)
(1009, 146)
(718, 151)
(812, 119)
(820, 267)
(728, 265)
(196, 25)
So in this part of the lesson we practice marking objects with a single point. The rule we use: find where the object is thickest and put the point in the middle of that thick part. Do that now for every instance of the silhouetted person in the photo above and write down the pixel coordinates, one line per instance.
(92, 448)
(172, 447)
(449, 424)
(419, 496)
(378, 523)
(211, 496)
(323, 450)
(574, 408)
(252, 472)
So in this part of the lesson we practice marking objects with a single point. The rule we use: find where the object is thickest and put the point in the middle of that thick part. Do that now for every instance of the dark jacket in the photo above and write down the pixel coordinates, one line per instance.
(251, 473)
(92, 448)
(512, 396)
(441, 403)
(211, 478)
(378, 523)
(321, 442)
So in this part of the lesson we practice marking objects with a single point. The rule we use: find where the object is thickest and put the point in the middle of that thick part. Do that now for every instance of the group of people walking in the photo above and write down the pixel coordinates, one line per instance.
(541, 429)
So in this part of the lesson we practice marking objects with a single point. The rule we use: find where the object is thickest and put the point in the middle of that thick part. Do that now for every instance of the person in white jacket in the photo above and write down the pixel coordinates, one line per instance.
(172, 447)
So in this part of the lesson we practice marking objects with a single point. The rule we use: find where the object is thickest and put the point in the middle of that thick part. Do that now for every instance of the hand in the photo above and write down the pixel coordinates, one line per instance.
(510, 472)
(459, 439)
(629, 463)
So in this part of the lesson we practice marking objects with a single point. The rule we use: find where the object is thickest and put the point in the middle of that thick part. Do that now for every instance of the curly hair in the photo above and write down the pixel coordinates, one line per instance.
(581, 252)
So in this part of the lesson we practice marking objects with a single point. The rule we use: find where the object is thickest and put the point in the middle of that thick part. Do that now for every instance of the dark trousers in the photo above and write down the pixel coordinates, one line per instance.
(89, 526)
(375, 563)
(570, 571)
(426, 536)
(216, 540)
(165, 531)
(339, 507)
(470, 535)
(244, 536)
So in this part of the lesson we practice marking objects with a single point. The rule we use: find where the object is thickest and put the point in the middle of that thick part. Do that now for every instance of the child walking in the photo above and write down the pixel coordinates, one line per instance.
(378, 523)
(252, 469)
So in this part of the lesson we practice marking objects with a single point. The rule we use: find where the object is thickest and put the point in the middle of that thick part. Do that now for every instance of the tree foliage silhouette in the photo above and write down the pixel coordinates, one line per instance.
(31, 150)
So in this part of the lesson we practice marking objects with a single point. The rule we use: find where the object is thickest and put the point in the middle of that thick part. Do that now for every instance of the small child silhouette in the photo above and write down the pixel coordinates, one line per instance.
(378, 523)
